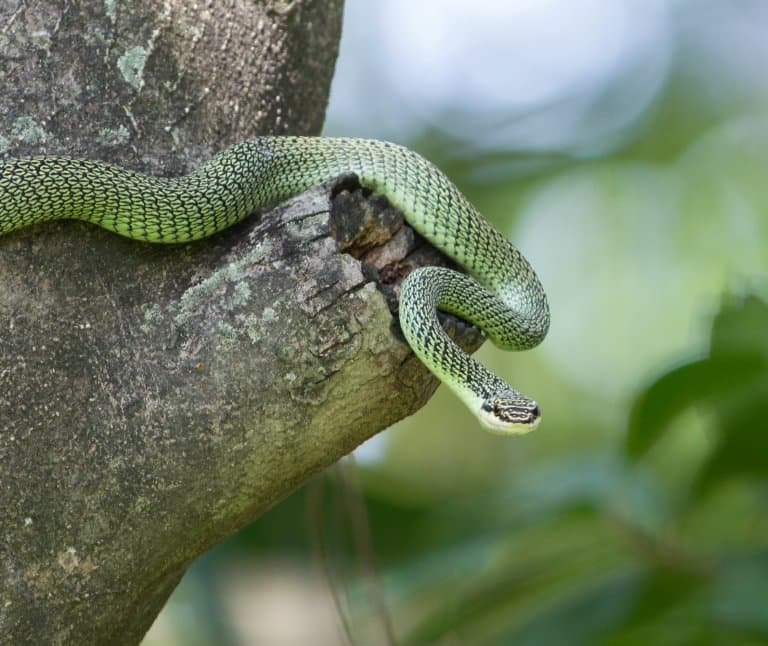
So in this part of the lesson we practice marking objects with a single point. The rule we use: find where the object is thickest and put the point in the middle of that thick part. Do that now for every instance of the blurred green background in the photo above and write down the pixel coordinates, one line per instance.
(623, 146)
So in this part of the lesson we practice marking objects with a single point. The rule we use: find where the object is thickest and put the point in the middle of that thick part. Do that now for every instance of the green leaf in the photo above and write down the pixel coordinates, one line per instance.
(704, 381)
(740, 327)
(742, 446)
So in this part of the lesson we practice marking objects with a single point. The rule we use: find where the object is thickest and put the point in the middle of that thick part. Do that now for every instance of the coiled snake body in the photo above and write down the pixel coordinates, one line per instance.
(501, 295)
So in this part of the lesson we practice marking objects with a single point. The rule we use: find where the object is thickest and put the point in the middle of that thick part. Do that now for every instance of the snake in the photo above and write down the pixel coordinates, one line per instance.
(500, 293)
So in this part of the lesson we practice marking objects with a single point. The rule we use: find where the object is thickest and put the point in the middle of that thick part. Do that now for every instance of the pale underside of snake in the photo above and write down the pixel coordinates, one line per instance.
(501, 293)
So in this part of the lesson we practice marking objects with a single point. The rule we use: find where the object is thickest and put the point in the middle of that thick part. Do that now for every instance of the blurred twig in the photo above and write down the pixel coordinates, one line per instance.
(315, 512)
(363, 543)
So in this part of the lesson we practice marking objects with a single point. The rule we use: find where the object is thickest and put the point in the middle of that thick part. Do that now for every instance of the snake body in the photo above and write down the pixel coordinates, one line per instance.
(501, 294)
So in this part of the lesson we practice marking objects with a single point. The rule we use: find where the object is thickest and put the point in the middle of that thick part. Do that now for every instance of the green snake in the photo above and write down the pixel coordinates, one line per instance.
(501, 295)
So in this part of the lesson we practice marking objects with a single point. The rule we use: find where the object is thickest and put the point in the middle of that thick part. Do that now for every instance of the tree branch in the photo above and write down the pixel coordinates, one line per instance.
(154, 399)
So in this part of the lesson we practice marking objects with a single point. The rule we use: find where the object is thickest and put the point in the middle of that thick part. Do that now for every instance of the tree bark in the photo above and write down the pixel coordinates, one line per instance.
(155, 399)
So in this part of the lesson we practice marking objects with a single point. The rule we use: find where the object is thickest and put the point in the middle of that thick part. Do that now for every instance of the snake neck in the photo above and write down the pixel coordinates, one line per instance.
(499, 407)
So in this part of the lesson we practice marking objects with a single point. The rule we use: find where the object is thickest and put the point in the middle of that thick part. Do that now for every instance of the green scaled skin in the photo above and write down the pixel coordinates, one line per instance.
(503, 296)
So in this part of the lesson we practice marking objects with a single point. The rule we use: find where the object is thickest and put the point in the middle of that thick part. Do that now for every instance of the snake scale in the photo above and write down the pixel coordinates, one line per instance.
(501, 294)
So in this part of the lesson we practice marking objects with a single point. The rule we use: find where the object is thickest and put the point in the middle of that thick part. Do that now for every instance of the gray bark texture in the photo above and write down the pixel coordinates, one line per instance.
(155, 399)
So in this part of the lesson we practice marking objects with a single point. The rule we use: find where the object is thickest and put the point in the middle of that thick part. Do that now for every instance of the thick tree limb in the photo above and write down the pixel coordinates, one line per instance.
(161, 84)
(155, 399)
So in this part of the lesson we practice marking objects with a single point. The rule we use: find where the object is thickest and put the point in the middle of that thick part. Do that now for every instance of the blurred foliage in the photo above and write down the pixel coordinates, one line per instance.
(732, 381)
(638, 512)
(596, 551)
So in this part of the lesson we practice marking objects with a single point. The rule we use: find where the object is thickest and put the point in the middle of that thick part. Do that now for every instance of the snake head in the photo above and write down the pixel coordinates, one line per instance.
(509, 413)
